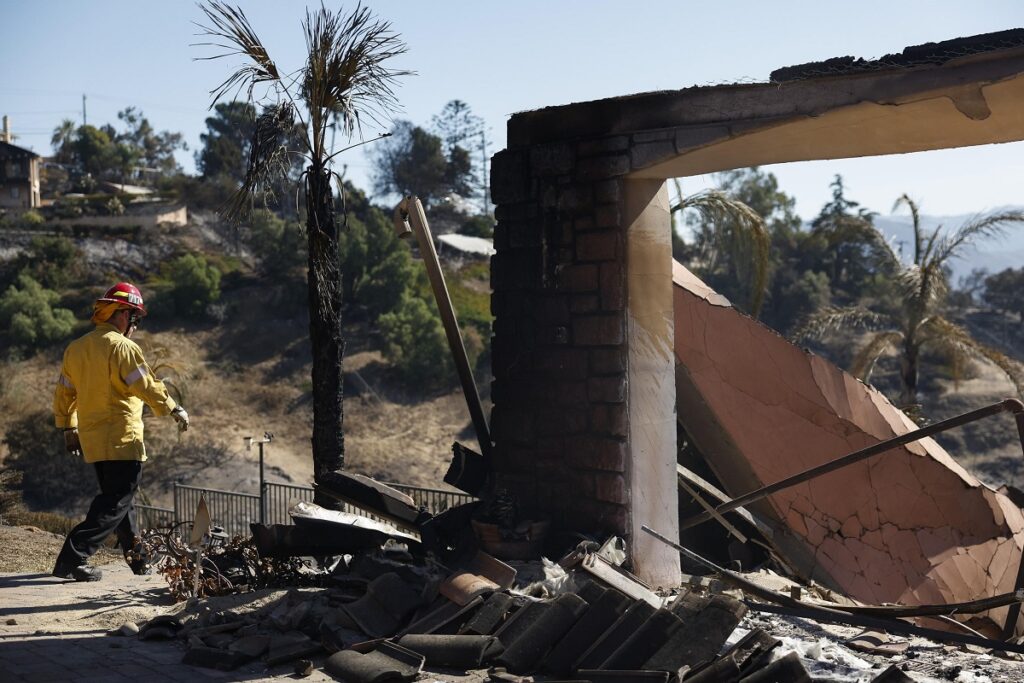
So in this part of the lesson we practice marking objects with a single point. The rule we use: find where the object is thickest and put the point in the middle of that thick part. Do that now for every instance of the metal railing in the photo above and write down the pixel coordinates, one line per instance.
(277, 498)
(235, 511)
(229, 509)
(434, 500)
(153, 517)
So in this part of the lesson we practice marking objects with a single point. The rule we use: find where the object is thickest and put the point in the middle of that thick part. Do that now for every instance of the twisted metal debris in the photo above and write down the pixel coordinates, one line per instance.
(233, 566)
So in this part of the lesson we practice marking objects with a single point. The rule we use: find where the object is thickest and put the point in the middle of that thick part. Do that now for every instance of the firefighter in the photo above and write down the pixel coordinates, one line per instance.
(104, 380)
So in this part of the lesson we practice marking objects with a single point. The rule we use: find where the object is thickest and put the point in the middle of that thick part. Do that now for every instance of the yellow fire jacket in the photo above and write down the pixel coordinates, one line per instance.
(103, 383)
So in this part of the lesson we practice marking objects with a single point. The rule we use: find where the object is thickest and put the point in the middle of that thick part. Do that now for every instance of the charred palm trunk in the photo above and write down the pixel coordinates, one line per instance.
(328, 347)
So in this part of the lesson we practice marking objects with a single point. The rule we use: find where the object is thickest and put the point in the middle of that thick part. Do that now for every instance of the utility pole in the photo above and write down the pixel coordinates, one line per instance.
(85, 122)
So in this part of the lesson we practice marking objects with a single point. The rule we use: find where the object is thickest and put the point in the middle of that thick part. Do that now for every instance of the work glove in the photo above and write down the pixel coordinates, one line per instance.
(181, 417)
(71, 442)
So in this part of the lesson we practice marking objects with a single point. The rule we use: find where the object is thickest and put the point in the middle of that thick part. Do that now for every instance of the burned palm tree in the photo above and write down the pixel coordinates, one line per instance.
(919, 321)
(345, 81)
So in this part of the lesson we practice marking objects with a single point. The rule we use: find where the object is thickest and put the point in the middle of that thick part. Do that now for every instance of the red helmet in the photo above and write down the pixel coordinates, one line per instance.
(125, 293)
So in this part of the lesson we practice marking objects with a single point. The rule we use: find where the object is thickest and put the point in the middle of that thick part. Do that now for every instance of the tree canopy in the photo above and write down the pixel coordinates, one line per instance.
(227, 140)
(414, 161)
(134, 154)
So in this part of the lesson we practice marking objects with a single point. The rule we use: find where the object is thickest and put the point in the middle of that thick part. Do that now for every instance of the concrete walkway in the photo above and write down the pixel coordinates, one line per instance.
(59, 633)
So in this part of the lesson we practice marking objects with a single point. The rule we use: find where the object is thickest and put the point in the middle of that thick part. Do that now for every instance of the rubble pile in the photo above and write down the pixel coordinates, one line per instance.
(387, 614)
(408, 592)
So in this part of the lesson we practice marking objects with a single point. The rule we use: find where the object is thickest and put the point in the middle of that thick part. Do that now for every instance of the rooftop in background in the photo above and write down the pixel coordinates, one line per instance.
(467, 245)
(9, 150)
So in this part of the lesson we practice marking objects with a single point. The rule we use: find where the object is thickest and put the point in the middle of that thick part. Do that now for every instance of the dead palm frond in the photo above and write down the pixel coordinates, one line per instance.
(268, 158)
(827, 320)
(166, 364)
(716, 208)
(230, 25)
(958, 344)
(978, 227)
(345, 76)
(863, 363)
(915, 214)
(345, 79)
(922, 287)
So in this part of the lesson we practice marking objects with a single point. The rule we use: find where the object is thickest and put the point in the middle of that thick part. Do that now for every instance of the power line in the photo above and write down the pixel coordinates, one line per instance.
(109, 98)
(34, 113)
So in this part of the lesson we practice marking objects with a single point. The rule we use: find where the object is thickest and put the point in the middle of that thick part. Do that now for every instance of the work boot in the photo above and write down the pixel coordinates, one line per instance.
(81, 573)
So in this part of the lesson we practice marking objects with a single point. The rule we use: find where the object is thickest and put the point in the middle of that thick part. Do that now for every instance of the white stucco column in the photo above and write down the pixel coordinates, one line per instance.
(651, 393)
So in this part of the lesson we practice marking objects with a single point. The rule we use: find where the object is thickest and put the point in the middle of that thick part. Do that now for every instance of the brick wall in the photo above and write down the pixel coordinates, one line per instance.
(560, 419)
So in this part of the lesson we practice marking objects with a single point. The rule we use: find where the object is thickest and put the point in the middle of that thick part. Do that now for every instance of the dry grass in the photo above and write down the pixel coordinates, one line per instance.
(30, 549)
(390, 435)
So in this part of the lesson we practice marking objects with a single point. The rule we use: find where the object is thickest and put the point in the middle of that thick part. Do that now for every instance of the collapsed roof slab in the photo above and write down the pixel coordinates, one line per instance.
(953, 94)
(908, 526)
(583, 417)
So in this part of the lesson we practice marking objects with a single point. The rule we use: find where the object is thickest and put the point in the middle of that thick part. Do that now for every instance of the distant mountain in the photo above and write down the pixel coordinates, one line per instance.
(993, 254)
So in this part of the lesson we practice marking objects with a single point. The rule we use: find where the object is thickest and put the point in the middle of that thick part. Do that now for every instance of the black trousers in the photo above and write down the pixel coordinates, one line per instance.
(112, 511)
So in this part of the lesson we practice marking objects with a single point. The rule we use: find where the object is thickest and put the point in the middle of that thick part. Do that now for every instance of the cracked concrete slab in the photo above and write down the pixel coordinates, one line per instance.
(909, 526)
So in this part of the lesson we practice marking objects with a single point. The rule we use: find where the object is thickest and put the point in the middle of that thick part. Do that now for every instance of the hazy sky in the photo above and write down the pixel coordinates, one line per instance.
(504, 57)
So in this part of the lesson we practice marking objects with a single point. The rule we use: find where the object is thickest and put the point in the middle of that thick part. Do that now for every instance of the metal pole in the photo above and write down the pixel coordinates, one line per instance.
(263, 485)
(411, 211)
(1007, 405)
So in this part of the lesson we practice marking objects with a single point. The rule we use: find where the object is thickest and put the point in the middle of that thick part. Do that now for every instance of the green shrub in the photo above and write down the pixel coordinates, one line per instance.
(194, 285)
(478, 226)
(52, 261)
(472, 299)
(279, 245)
(114, 207)
(386, 283)
(376, 267)
(50, 477)
(415, 344)
(28, 313)
(32, 219)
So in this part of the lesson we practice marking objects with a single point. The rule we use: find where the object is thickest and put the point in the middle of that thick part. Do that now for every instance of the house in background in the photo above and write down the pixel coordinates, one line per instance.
(19, 174)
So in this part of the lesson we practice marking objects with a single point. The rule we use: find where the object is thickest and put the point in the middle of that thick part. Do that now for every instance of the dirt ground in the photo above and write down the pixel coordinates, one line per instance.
(991, 448)
(29, 549)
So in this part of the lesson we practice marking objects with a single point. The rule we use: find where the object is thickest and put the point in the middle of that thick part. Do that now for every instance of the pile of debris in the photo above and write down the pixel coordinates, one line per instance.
(388, 614)
(408, 591)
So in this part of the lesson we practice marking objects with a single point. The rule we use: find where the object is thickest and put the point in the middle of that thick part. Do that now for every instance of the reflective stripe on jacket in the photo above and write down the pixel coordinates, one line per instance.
(103, 383)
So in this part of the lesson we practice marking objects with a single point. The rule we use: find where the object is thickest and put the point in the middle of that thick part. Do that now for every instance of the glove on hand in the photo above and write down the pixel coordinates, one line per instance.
(181, 417)
(71, 442)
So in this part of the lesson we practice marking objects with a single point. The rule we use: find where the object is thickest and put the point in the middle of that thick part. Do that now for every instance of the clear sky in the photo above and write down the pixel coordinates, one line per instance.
(504, 57)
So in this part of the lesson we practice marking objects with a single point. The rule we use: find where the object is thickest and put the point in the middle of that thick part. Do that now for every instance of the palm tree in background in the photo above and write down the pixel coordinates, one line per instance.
(61, 141)
(344, 82)
(734, 228)
(919, 321)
